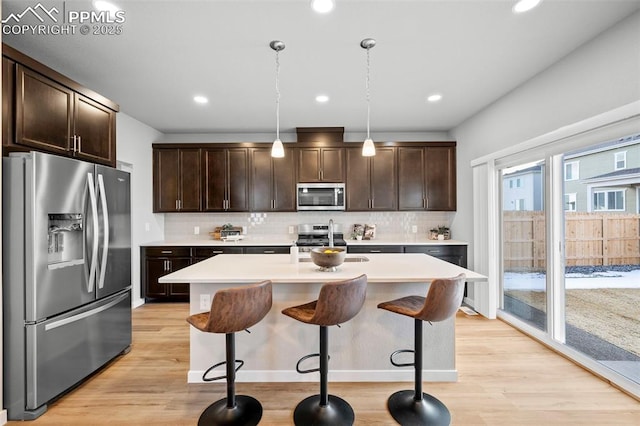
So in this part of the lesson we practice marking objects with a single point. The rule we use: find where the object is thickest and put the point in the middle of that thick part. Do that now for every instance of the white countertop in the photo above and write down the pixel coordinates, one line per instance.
(279, 240)
(382, 268)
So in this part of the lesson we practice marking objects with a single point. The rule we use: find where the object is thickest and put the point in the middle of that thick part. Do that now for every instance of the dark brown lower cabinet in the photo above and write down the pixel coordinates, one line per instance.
(456, 254)
(158, 262)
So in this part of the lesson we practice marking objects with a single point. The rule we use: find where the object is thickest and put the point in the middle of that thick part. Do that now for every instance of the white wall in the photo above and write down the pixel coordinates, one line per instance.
(599, 76)
(133, 148)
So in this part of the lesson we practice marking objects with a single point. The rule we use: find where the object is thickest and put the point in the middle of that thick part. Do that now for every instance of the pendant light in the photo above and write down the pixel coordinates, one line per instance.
(277, 149)
(368, 148)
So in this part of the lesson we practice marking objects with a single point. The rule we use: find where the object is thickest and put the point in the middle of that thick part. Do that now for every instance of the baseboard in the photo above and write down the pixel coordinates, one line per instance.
(3, 417)
(138, 303)
(266, 376)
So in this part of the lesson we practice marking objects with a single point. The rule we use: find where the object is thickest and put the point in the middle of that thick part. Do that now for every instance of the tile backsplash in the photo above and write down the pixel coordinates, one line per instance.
(388, 224)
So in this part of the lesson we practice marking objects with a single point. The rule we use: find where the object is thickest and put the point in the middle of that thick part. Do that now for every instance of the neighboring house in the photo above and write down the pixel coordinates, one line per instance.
(604, 178)
(522, 189)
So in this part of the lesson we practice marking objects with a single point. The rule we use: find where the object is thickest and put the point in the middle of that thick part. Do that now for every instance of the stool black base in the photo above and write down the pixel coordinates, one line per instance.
(247, 412)
(337, 413)
(407, 411)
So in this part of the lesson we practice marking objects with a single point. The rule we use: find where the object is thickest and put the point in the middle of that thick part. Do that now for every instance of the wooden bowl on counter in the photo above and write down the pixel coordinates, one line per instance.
(328, 258)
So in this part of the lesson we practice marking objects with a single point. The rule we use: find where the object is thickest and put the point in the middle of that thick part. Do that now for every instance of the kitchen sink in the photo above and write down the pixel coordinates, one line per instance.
(346, 259)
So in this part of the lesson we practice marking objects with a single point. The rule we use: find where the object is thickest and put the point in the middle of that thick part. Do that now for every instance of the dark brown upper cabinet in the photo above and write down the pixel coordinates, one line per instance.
(427, 178)
(371, 181)
(273, 181)
(317, 164)
(226, 174)
(45, 111)
(177, 180)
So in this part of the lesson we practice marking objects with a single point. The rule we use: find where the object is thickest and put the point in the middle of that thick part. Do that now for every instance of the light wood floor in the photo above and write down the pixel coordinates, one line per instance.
(505, 378)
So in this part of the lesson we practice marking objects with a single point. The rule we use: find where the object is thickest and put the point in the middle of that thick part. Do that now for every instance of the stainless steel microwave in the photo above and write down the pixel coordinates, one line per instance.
(320, 196)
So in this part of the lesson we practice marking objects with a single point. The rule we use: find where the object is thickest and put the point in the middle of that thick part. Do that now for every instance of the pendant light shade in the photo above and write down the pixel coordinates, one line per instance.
(368, 148)
(277, 149)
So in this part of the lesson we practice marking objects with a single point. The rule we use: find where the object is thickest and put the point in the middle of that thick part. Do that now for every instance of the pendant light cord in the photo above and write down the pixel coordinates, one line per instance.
(277, 94)
(368, 94)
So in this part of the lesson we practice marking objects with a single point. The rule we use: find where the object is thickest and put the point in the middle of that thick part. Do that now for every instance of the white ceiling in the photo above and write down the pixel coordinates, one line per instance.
(473, 52)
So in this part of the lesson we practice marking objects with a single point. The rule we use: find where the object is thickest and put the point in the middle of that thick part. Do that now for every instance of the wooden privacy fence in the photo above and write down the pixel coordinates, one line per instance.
(591, 239)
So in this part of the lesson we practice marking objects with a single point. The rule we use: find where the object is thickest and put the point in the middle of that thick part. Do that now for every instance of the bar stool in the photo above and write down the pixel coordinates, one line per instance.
(232, 310)
(443, 299)
(337, 303)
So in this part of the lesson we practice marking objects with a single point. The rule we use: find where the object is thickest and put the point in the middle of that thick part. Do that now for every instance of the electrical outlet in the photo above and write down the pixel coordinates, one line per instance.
(205, 301)
(147, 226)
(291, 231)
(196, 230)
(414, 229)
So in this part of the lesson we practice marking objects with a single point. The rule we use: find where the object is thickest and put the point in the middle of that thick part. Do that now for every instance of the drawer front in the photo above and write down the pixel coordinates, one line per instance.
(374, 249)
(267, 250)
(206, 252)
(168, 251)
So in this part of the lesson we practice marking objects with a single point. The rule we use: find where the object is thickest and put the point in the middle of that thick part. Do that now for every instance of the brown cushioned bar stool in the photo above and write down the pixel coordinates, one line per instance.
(233, 310)
(413, 407)
(337, 303)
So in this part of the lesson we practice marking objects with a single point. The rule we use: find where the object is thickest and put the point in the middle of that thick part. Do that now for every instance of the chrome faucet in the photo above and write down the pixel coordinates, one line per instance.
(330, 232)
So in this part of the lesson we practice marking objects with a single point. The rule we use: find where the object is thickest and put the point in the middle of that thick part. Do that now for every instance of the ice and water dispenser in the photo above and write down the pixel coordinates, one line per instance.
(65, 240)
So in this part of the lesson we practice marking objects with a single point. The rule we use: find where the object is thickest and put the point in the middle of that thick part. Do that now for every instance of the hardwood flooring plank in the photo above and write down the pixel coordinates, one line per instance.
(505, 378)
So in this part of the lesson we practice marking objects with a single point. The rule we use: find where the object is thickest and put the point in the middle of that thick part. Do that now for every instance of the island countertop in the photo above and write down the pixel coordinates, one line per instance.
(380, 268)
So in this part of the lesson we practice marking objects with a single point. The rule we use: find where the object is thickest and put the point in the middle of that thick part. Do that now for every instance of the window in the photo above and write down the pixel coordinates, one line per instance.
(571, 170)
(608, 200)
(519, 204)
(620, 160)
(570, 202)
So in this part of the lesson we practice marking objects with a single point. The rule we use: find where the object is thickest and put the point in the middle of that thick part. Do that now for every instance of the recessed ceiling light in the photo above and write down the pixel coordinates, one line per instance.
(434, 98)
(322, 6)
(525, 5)
(322, 99)
(200, 99)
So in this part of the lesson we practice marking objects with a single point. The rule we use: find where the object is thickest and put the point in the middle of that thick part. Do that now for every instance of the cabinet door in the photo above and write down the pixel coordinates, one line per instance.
(155, 268)
(309, 164)
(284, 182)
(261, 180)
(440, 167)
(238, 180)
(384, 188)
(332, 165)
(44, 111)
(190, 189)
(166, 175)
(358, 180)
(215, 173)
(411, 179)
(94, 130)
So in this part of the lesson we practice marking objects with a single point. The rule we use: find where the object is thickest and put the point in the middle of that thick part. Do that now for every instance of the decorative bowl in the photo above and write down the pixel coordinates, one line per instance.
(328, 258)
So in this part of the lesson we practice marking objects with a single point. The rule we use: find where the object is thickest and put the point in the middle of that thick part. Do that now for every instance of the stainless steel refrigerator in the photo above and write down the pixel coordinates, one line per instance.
(66, 275)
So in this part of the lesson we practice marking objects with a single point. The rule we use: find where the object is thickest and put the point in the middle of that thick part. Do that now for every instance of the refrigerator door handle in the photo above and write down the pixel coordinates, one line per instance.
(83, 315)
(94, 242)
(105, 231)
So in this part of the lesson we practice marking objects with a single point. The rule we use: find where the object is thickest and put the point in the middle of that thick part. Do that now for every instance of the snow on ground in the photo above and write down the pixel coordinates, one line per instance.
(602, 279)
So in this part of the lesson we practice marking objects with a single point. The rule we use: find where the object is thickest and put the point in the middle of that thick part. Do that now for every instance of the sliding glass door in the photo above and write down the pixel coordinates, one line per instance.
(524, 278)
(602, 254)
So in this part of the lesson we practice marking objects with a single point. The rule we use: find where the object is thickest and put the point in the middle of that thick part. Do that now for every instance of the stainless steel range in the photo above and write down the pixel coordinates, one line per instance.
(317, 235)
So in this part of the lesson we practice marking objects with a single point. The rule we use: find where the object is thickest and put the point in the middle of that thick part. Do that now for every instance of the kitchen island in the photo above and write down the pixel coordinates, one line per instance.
(359, 350)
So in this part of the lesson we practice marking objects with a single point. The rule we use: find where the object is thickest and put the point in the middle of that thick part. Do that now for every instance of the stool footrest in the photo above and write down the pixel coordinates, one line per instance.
(402, 351)
(211, 379)
(304, 358)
